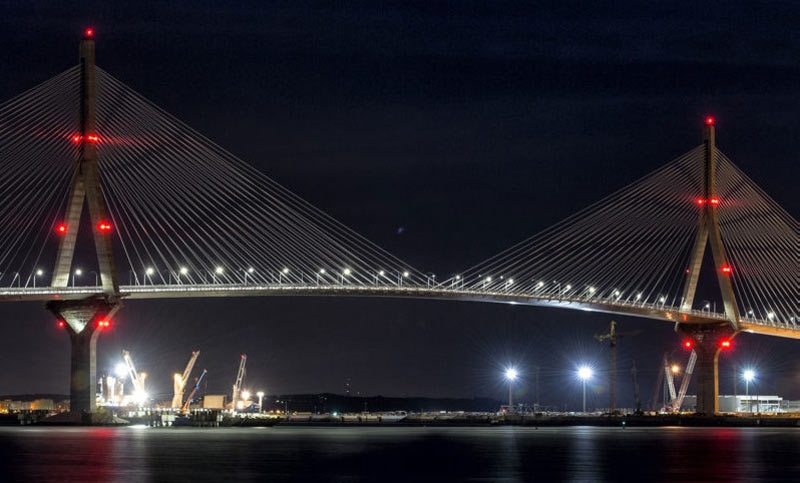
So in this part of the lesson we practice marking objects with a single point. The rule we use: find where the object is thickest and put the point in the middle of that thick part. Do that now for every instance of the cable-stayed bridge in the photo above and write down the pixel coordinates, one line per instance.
(168, 213)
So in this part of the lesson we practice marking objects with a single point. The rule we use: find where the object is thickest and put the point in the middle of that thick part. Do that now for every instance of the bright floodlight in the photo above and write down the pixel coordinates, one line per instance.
(260, 394)
(121, 370)
(749, 375)
(511, 374)
(245, 395)
(585, 373)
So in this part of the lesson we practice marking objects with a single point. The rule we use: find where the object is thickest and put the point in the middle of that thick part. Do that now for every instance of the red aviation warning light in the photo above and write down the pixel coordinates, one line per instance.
(688, 344)
(61, 228)
(104, 227)
(725, 344)
(714, 201)
(88, 33)
(61, 324)
(77, 138)
(93, 138)
(103, 324)
(710, 120)
(726, 269)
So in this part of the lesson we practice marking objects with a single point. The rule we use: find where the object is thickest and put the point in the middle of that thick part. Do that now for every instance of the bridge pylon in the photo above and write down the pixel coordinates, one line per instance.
(707, 337)
(84, 319)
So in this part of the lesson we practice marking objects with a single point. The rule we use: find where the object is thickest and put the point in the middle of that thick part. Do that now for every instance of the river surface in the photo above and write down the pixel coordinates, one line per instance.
(399, 454)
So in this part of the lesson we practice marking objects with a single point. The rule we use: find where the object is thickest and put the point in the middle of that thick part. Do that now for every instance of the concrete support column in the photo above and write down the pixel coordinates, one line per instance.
(83, 370)
(707, 378)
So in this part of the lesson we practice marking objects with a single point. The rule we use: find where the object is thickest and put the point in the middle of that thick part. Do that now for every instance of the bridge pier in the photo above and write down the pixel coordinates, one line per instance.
(707, 344)
(83, 320)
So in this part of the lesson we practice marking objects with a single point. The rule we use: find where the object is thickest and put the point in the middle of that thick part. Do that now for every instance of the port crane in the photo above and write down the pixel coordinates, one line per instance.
(185, 407)
(180, 380)
(677, 402)
(612, 337)
(237, 386)
(137, 379)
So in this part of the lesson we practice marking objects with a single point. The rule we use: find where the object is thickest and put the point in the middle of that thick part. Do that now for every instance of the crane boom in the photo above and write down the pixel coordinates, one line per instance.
(136, 379)
(179, 381)
(237, 386)
(185, 406)
(670, 379)
(678, 402)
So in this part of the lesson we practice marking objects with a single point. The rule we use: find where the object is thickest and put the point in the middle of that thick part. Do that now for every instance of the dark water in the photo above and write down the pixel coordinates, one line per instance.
(399, 454)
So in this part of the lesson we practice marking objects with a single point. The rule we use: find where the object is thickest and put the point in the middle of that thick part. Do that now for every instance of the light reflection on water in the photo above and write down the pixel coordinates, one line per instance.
(399, 454)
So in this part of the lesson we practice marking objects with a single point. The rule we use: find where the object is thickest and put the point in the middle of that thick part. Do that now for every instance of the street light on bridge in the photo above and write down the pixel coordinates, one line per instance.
(78, 272)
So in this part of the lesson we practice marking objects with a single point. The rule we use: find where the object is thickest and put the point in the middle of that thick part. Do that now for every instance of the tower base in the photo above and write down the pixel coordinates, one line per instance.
(83, 320)
(707, 340)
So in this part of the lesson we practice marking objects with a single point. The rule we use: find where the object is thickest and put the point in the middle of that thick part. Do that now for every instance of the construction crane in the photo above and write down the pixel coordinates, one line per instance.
(669, 377)
(185, 407)
(676, 403)
(237, 386)
(612, 337)
(179, 381)
(137, 379)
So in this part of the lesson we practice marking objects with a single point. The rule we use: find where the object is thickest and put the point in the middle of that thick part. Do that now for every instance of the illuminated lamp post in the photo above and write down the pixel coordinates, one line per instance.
(511, 376)
(749, 375)
(584, 373)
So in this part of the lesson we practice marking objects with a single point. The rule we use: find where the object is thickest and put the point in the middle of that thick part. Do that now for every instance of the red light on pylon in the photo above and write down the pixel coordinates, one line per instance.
(725, 344)
(93, 138)
(726, 269)
(700, 201)
(88, 33)
(688, 344)
(60, 324)
(61, 228)
(103, 324)
(710, 121)
(104, 227)
(714, 201)
(77, 138)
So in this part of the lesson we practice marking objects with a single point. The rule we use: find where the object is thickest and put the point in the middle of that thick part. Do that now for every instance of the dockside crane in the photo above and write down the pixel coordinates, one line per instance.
(237, 386)
(676, 403)
(180, 380)
(612, 337)
(137, 379)
(185, 407)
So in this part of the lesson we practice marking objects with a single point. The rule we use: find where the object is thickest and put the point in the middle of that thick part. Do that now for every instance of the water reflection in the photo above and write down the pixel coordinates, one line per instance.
(398, 454)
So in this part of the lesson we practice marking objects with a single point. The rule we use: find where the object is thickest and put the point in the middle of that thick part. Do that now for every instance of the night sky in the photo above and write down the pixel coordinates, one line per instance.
(444, 132)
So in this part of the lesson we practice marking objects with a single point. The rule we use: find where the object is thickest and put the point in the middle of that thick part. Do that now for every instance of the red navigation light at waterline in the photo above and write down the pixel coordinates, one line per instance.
(710, 120)
(104, 227)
